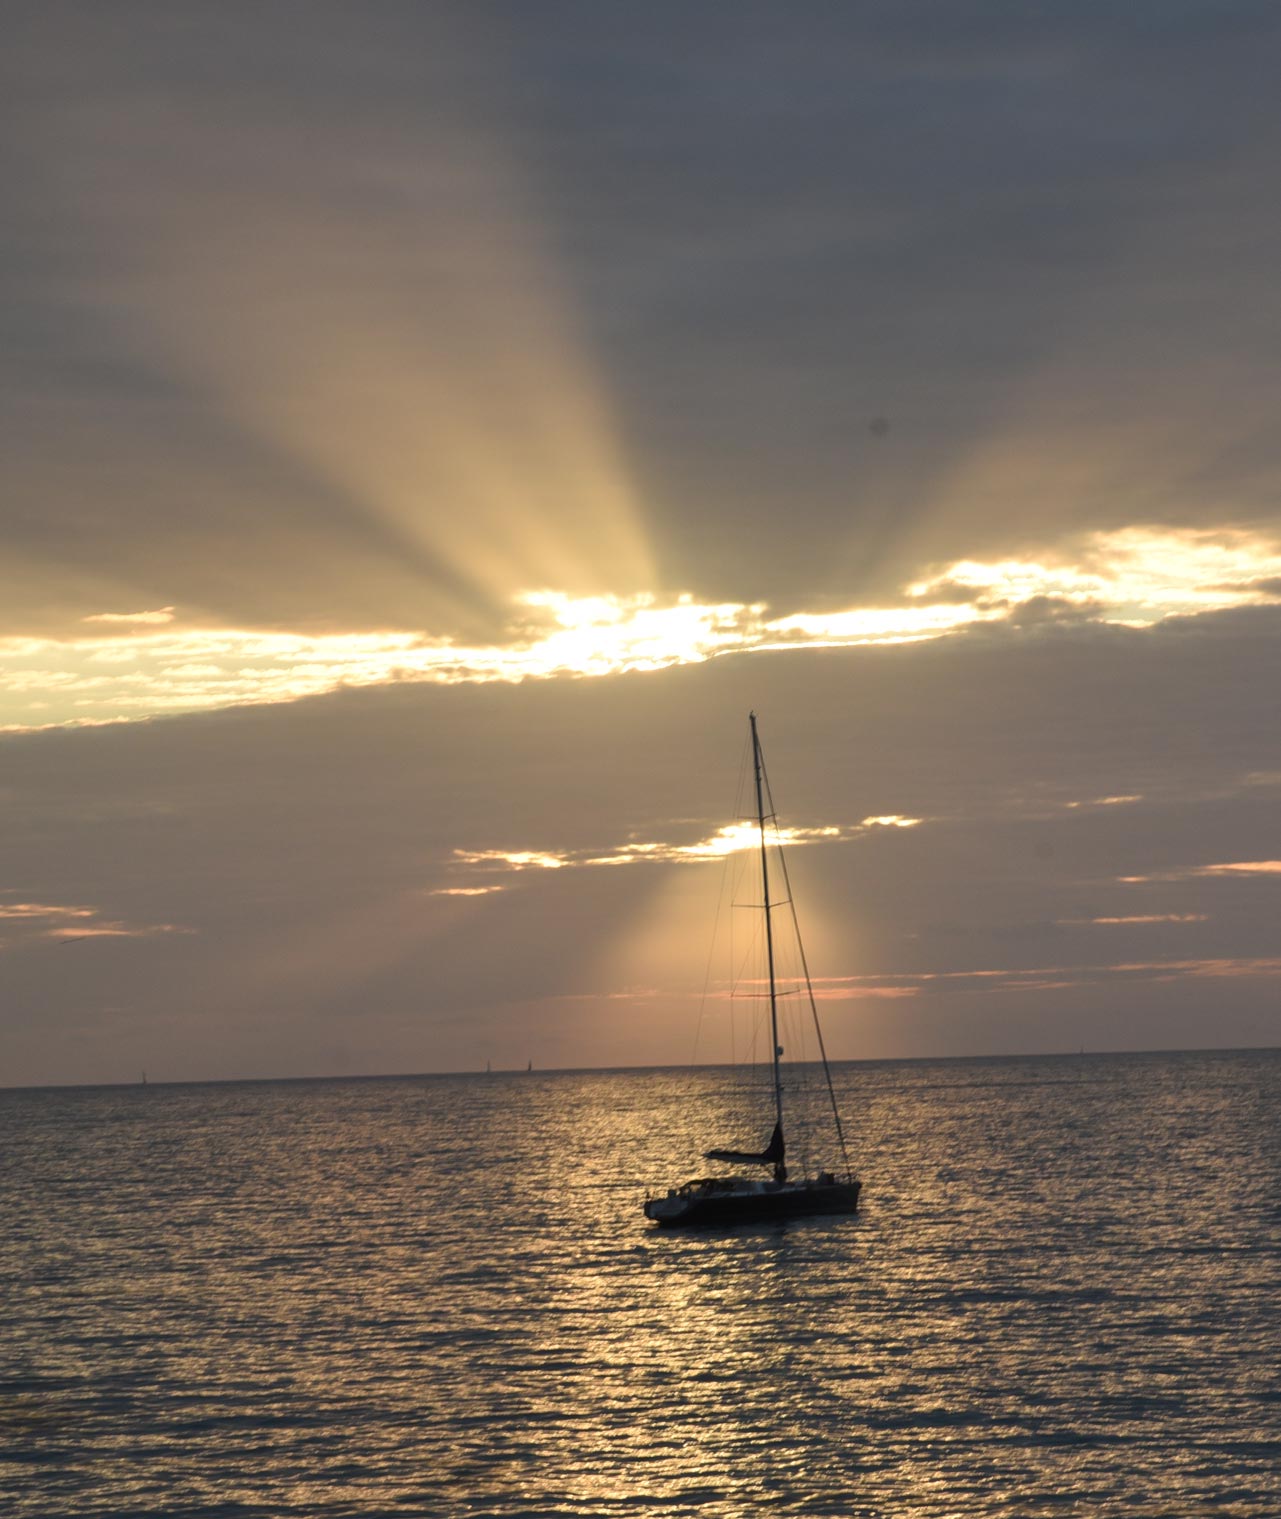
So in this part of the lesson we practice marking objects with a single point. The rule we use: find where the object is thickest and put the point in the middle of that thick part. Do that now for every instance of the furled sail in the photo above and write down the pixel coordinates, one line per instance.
(771, 1155)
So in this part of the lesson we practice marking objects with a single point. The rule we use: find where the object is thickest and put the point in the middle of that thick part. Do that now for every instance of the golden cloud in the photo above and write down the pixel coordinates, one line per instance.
(66, 922)
(732, 838)
(1134, 577)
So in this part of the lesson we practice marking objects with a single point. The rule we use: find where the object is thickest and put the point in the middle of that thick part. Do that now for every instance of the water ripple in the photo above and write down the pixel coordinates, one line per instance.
(438, 1296)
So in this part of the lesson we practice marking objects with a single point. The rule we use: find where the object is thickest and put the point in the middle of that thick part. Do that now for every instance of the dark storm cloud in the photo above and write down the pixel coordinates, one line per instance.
(1037, 240)
(995, 225)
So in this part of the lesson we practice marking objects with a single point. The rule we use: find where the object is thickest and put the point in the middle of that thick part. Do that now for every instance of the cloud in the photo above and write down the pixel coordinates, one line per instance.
(517, 859)
(43, 910)
(1123, 921)
(1132, 578)
(731, 838)
(1135, 576)
(1240, 868)
(65, 923)
(1048, 978)
(488, 335)
(160, 615)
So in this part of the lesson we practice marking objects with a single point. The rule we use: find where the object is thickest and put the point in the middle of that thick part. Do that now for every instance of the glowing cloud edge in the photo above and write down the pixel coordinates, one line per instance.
(147, 663)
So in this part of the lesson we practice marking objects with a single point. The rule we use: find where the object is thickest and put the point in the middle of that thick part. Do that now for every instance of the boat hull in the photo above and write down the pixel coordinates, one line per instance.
(704, 1207)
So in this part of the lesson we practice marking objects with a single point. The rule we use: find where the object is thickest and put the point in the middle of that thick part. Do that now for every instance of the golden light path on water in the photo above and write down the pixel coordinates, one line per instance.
(439, 1296)
(122, 665)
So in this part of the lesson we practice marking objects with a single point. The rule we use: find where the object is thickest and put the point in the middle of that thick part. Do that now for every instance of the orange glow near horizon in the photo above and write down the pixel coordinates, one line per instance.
(664, 947)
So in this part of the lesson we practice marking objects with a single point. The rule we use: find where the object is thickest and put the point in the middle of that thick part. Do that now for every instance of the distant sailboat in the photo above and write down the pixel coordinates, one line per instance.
(529, 1067)
(720, 1200)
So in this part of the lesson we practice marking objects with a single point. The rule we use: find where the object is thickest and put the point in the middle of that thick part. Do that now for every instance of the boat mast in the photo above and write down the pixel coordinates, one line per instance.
(769, 926)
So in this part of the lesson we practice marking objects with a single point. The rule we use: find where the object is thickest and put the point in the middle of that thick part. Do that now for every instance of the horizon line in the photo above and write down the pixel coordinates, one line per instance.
(619, 1070)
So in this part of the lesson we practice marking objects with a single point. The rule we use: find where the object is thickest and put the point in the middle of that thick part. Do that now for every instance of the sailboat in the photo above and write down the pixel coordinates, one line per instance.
(734, 1199)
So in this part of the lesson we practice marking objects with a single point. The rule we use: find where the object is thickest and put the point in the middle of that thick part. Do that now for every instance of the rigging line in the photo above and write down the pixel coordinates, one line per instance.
(739, 787)
(745, 966)
(809, 987)
(721, 897)
(711, 954)
(748, 954)
(758, 766)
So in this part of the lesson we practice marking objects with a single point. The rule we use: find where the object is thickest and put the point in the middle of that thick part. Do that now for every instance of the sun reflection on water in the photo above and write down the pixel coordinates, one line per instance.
(439, 1295)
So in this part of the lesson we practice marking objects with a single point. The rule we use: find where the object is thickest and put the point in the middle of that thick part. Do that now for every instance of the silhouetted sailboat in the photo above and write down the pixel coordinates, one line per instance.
(731, 1199)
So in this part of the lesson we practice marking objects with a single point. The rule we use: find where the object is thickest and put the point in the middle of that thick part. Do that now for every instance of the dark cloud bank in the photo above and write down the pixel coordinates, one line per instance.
(1038, 241)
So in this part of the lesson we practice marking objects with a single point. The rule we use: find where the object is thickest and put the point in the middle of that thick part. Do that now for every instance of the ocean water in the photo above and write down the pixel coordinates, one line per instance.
(439, 1296)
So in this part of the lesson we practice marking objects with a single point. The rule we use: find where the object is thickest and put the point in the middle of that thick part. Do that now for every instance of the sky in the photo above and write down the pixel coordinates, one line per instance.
(428, 430)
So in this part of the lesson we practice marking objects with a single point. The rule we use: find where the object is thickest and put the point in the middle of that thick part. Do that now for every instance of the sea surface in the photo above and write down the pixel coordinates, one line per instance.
(438, 1296)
